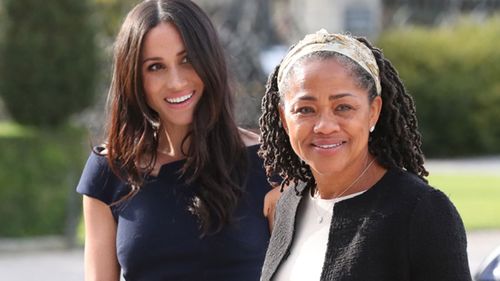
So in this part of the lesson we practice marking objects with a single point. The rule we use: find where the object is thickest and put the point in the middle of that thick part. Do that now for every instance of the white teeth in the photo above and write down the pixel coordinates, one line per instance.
(179, 99)
(328, 146)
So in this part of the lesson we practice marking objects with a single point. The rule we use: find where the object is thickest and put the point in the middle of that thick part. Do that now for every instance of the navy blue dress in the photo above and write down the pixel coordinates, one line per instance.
(159, 239)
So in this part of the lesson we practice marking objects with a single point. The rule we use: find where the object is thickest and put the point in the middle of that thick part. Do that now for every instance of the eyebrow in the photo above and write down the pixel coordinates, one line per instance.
(181, 53)
(331, 97)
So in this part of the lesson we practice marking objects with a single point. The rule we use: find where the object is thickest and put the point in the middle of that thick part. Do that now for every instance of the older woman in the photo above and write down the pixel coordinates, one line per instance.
(341, 130)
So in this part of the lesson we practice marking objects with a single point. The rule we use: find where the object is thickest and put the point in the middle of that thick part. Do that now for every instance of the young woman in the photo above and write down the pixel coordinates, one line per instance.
(341, 130)
(177, 191)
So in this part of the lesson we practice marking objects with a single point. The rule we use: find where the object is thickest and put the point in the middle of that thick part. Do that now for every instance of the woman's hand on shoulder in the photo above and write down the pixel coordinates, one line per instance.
(270, 201)
(249, 138)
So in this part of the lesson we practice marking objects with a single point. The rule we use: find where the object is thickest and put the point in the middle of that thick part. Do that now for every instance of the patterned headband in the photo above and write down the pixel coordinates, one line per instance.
(338, 43)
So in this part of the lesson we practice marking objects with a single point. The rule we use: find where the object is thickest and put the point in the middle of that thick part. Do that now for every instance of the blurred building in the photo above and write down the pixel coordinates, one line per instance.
(358, 17)
(257, 33)
(435, 12)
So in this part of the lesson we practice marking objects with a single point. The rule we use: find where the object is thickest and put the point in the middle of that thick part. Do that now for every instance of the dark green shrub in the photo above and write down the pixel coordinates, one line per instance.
(49, 60)
(39, 169)
(453, 74)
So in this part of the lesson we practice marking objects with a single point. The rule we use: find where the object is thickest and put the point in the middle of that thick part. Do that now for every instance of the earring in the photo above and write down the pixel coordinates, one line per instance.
(372, 128)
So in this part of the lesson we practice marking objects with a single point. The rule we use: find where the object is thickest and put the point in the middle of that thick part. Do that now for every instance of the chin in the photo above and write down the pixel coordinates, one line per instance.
(323, 169)
(180, 120)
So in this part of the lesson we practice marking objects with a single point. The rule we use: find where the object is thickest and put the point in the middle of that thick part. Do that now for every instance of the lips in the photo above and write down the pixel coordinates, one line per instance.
(331, 145)
(179, 100)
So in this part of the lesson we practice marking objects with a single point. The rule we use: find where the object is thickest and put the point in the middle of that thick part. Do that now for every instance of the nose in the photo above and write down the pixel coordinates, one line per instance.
(326, 123)
(176, 79)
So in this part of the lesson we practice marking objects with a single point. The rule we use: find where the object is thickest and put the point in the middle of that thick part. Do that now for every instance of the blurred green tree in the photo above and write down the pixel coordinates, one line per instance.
(452, 72)
(49, 60)
(110, 15)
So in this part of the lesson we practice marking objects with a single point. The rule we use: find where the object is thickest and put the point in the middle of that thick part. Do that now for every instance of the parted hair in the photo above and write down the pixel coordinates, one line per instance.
(396, 141)
(216, 157)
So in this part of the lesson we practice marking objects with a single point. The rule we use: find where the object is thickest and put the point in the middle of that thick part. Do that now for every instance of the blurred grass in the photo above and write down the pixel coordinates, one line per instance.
(475, 195)
(12, 130)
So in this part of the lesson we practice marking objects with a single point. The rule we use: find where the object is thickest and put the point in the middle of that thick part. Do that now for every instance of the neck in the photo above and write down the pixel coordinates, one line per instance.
(170, 142)
(351, 180)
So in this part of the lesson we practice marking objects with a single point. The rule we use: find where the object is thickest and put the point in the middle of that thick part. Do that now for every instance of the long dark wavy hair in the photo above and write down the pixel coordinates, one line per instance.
(216, 156)
(396, 142)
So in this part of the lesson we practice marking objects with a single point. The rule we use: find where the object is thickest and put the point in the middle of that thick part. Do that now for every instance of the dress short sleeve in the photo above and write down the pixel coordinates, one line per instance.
(98, 181)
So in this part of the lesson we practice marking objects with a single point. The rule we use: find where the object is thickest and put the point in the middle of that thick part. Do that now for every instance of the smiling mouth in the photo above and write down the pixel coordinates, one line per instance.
(329, 146)
(179, 100)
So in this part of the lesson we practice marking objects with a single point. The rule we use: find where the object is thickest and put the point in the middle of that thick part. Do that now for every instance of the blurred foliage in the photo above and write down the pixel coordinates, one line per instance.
(2, 21)
(38, 170)
(452, 73)
(2, 29)
(110, 15)
(49, 60)
(12, 130)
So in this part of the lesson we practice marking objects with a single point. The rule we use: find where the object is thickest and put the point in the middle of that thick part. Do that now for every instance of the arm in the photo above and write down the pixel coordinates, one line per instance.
(101, 262)
(437, 241)
(270, 201)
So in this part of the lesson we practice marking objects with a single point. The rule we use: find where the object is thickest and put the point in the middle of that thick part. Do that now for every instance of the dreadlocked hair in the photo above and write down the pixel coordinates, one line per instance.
(276, 150)
(395, 143)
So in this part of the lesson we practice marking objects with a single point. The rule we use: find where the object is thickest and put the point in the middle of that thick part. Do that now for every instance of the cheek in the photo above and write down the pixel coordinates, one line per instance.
(298, 131)
(297, 123)
(152, 82)
(192, 76)
(146, 87)
(148, 97)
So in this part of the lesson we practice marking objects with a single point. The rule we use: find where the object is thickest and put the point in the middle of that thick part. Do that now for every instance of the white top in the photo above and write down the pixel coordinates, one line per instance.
(307, 252)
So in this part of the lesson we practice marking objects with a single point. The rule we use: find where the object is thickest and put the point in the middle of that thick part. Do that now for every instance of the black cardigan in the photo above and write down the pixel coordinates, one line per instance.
(400, 229)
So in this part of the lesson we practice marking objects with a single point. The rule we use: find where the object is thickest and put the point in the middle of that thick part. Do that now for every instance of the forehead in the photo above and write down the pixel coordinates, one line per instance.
(163, 37)
(302, 68)
(320, 79)
(316, 72)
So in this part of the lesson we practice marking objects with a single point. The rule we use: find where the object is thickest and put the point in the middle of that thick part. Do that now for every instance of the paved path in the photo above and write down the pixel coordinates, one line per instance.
(64, 265)
(55, 265)
(488, 164)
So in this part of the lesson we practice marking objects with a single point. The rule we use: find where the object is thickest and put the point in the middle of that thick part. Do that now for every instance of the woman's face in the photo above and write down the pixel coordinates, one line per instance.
(327, 116)
(171, 85)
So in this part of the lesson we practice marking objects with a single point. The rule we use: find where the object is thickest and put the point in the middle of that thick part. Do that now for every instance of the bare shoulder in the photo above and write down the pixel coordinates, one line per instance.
(249, 138)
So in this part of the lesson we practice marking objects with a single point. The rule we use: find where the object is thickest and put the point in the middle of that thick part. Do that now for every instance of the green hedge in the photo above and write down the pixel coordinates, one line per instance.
(454, 75)
(48, 60)
(39, 169)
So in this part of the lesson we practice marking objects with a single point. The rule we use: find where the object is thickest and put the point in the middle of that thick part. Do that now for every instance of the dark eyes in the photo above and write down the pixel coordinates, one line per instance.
(304, 110)
(309, 110)
(344, 107)
(155, 67)
(159, 66)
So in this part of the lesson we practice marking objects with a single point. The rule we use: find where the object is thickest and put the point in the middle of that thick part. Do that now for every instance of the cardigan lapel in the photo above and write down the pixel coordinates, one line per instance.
(282, 236)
